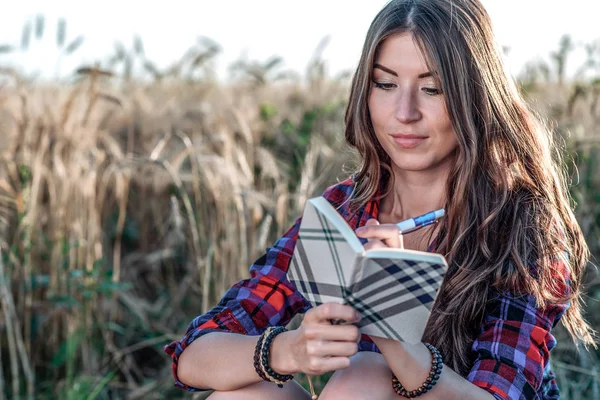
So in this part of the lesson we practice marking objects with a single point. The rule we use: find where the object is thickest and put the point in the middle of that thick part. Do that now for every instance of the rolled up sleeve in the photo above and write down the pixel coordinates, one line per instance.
(513, 349)
(266, 299)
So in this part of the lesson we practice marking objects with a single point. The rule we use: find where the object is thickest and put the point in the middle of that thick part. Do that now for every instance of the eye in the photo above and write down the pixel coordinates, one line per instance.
(431, 91)
(384, 86)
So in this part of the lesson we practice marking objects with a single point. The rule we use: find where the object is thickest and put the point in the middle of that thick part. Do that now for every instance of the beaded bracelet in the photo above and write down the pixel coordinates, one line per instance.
(272, 375)
(257, 366)
(434, 374)
(261, 357)
(263, 365)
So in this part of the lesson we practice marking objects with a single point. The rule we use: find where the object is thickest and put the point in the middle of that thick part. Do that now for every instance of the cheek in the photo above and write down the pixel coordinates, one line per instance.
(372, 110)
(451, 140)
(446, 128)
(376, 111)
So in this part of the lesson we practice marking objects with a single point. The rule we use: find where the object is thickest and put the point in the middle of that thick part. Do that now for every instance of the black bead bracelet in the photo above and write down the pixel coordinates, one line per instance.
(261, 357)
(257, 365)
(265, 356)
(434, 375)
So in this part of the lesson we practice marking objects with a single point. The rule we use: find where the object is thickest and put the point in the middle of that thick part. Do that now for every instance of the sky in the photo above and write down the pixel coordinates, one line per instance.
(260, 29)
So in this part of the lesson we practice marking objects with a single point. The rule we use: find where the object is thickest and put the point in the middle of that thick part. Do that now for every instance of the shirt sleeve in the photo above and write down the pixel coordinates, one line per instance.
(513, 348)
(266, 299)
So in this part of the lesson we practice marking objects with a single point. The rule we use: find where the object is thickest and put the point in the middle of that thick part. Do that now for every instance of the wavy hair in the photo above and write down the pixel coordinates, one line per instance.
(509, 215)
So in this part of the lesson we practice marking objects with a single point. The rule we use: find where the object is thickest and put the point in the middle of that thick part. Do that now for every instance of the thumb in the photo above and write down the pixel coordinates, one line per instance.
(372, 221)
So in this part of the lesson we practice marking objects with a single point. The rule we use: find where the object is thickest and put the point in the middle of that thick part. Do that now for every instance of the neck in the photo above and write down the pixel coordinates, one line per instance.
(414, 193)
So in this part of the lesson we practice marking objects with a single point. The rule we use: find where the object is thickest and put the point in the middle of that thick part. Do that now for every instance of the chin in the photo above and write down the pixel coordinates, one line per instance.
(413, 167)
(420, 164)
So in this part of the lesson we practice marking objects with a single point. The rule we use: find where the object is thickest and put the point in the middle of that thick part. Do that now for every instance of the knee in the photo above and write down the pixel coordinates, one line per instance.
(263, 390)
(367, 377)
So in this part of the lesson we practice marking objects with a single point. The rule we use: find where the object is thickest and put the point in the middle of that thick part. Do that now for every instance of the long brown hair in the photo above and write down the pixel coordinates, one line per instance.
(508, 206)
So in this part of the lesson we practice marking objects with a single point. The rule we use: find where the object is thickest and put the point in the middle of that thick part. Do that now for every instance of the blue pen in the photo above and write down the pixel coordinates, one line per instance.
(412, 224)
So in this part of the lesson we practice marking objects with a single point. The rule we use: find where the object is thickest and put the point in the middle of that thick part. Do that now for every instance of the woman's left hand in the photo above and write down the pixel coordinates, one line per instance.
(380, 235)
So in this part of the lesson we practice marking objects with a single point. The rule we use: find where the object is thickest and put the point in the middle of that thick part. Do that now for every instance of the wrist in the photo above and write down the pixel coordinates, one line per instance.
(281, 360)
(405, 359)
(418, 354)
(429, 382)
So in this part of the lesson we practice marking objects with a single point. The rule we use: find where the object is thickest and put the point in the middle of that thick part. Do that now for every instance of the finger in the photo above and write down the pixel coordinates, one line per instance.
(377, 231)
(332, 349)
(340, 333)
(375, 244)
(388, 233)
(328, 364)
(372, 222)
(328, 311)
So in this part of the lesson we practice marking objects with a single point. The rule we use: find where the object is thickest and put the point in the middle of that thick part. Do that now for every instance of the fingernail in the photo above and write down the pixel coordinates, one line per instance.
(360, 229)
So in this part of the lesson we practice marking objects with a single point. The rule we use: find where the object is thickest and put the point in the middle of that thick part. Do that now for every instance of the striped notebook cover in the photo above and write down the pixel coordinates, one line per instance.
(393, 289)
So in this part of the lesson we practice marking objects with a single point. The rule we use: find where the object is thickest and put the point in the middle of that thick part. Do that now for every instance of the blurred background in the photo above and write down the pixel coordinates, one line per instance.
(150, 153)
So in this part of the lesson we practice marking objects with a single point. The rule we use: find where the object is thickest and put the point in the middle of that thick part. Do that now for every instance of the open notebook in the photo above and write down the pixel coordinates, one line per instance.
(393, 289)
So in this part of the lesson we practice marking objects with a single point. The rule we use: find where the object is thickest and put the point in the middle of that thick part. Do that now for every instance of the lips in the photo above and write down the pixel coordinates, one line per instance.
(408, 140)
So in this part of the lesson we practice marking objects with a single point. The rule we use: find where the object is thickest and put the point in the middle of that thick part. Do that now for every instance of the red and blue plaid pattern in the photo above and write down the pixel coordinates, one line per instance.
(511, 354)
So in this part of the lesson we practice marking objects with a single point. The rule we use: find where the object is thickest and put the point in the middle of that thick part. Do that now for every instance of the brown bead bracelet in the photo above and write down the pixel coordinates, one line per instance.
(434, 374)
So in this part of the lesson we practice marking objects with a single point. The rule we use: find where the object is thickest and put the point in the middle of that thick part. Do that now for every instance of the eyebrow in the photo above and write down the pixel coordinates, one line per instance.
(389, 71)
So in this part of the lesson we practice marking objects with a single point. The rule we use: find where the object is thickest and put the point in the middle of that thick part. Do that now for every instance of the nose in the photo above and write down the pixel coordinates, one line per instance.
(407, 109)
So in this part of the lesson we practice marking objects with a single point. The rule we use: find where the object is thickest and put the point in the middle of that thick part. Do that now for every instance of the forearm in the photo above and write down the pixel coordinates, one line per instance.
(411, 365)
(220, 361)
(225, 361)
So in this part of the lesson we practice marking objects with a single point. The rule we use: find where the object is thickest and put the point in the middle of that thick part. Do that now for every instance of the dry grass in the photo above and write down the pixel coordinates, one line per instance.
(125, 211)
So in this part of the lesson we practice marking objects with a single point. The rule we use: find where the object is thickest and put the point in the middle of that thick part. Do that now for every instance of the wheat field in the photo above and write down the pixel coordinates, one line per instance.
(132, 197)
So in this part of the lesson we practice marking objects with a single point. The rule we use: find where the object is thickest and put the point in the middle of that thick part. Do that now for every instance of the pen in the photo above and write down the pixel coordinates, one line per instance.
(412, 224)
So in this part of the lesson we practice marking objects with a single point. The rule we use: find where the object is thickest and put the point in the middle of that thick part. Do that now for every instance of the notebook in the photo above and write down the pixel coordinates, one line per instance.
(393, 289)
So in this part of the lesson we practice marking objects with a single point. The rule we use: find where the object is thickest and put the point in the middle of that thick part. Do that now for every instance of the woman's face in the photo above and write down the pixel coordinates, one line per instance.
(407, 109)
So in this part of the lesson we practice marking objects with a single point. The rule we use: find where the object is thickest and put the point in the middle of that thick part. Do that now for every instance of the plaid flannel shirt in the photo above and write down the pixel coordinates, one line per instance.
(511, 354)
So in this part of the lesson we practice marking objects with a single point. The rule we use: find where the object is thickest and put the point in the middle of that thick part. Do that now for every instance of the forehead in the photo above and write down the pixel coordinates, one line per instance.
(401, 51)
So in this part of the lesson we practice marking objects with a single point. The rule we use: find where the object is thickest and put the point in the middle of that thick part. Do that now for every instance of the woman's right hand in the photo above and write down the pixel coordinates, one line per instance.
(317, 346)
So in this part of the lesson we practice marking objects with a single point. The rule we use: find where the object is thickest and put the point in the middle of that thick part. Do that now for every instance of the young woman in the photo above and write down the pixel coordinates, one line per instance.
(438, 123)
